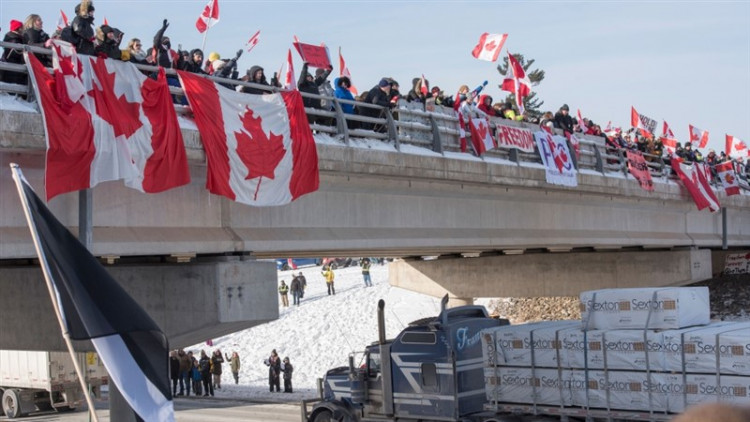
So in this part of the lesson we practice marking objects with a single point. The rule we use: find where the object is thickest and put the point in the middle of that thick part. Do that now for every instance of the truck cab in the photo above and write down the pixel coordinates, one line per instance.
(431, 370)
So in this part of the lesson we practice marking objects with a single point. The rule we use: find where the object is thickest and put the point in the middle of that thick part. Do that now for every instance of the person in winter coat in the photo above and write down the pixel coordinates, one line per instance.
(136, 51)
(185, 364)
(109, 43)
(312, 85)
(284, 291)
(563, 120)
(288, 370)
(485, 104)
(195, 375)
(12, 55)
(82, 29)
(204, 365)
(234, 365)
(415, 94)
(193, 65)
(33, 34)
(329, 276)
(343, 85)
(366, 272)
(255, 75)
(296, 289)
(302, 284)
(379, 95)
(216, 360)
(274, 370)
(174, 370)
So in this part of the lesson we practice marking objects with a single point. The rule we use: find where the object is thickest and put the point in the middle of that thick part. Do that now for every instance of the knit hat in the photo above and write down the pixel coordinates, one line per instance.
(15, 25)
(565, 107)
(213, 56)
(384, 83)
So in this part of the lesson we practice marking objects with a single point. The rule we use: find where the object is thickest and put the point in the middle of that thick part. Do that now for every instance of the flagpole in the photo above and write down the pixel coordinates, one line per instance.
(17, 176)
(208, 26)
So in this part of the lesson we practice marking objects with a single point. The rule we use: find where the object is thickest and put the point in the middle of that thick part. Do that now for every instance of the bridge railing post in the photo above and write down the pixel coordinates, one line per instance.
(392, 130)
(437, 144)
(573, 155)
(599, 166)
(341, 124)
(623, 162)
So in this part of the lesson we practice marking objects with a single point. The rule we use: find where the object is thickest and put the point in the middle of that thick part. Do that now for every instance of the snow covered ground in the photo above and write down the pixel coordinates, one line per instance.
(320, 333)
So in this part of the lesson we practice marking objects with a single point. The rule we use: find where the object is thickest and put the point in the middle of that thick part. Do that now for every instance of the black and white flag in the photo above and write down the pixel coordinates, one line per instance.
(93, 306)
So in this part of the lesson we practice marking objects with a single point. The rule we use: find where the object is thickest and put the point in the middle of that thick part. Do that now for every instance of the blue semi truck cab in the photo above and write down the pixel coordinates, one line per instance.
(431, 371)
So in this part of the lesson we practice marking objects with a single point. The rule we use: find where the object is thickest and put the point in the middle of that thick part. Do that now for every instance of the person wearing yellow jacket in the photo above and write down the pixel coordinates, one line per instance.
(284, 291)
(328, 275)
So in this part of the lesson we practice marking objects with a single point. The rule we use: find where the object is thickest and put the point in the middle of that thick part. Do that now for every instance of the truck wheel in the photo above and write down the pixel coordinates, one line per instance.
(324, 416)
(2, 412)
(11, 404)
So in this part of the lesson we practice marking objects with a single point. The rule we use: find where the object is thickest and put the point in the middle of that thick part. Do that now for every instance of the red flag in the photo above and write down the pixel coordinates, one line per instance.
(695, 181)
(344, 71)
(423, 85)
(481, 138)
(259, 148)
(646, 125)
(736, 147)
(131, 134)
(489, 46)
(698, 135)
(209, 17)
(290, 83)
(105, 21)
(581, 123)
(725, 172)
(516, 82)
(639, 169)
(253, 41)
(62, 21)
(667, 137)
(461, 132)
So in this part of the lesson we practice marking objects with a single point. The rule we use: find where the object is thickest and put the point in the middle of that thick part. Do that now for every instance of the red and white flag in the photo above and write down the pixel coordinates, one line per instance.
(253, 41)
(62, 21)
(259, 148)
(725, 172)
(698, 136)
(695, 181)
(423, 85)
(645, 124)
(481, 138)
(581, 123)
(461, 132)
(489, 46)
(289, 82)
(209, 17)
(123, 127)
(608, 128)
(736, 147)
(344, 71)
(516, 82)
(667, 137)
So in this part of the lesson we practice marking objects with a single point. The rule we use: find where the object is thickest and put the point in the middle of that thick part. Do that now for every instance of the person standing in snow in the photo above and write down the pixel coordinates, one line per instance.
(284, 291)
(216, 361)
(274, 370)
(234, 364)
(287, 367)
(296, 289)
(328, 275)
(366, 272)
(205, 367)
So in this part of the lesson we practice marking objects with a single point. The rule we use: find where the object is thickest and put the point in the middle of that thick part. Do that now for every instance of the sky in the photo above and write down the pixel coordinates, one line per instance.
(686, 62)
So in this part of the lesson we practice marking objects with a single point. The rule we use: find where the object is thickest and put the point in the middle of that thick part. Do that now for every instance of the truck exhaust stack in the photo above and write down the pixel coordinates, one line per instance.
(381, 321)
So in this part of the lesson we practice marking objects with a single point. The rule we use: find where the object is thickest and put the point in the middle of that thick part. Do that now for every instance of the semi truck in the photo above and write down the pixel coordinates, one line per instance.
(436, 370)
(35, 381)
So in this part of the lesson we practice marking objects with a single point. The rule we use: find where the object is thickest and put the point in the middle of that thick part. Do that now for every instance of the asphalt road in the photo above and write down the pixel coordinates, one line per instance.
(214, 410)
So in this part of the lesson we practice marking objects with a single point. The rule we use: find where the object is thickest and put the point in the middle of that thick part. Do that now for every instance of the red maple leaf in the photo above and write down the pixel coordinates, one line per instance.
(490, 46)
(117, 111)
(260, 153)
(482, 131)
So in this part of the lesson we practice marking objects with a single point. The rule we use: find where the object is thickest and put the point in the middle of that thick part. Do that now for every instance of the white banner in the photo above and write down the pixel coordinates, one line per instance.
(556, 159)
(513, 137)
(737, 263)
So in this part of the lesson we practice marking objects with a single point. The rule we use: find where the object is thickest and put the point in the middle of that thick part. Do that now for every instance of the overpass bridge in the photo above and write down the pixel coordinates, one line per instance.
(494, 223)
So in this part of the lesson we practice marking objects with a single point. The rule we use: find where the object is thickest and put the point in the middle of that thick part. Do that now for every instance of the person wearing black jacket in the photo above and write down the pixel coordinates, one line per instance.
(193, 65)
(311, 85)
(33, 34)
(378, 95)
(563, 120)
(204, 366)
(12, 55)
(83, 29)
(274, 371)
(174, 370)
(109, 43)
(255, 75)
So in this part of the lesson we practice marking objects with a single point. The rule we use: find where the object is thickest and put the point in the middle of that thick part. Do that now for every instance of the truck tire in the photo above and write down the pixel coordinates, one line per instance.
(324, 416)
(11, 404)
(2, 412)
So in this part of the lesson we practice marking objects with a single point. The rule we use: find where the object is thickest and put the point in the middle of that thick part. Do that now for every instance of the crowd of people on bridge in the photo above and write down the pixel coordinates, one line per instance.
(105, 41)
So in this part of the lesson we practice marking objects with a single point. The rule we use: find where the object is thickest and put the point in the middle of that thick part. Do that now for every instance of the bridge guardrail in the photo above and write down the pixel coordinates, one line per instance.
(408, 123)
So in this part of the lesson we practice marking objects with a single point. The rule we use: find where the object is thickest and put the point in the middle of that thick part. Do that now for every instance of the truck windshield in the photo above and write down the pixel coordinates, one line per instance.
(373, 364)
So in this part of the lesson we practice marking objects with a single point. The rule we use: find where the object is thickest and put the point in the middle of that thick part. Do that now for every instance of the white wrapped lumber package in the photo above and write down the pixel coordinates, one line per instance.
(513, 344)
(541, 386)
(613, 349)
(692, 389)
(660, 308)
(717, 348)
(628, 390)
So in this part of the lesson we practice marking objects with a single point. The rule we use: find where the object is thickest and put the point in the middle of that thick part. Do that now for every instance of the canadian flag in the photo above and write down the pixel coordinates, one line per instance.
(481, 138)
(289, 82)
(695, 182)
(646, 125)
(259, 148)
(516, 82)
(736, 147)
(581, 123)
(423, 85)
(667, 137)
(698, 135)
(489, 46)
(461, 132)
(209, 17)
(253, 41)
(62, 21)
(725, 172)
(344, 71)
(123, 127)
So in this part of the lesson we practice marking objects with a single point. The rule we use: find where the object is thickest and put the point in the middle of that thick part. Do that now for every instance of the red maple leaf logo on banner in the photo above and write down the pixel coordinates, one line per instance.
(260, 153)
(490, 46)
(123, 115)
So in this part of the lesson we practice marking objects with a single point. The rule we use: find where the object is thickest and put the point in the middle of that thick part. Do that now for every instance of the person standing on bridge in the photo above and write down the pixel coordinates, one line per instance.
(366, 272)
(329, 276)
(283, 291)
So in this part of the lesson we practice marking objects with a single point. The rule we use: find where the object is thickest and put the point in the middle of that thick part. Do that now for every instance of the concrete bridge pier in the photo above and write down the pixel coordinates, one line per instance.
(550, 274)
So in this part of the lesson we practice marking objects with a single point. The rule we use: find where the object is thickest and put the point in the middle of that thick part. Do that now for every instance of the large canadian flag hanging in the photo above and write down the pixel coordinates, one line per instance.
(736, 147)
(104, 121)
(516, 82)
(489, 46)
(259, 148)
(481, 138)
(698, 136)
(725, 172)
(209, 17)
(695, 181)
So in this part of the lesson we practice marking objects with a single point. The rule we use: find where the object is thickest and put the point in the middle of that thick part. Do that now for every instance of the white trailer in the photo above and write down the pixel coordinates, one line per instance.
(33, 381)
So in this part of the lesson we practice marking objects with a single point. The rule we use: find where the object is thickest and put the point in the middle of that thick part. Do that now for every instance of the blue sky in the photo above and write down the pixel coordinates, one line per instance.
(686, 62)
